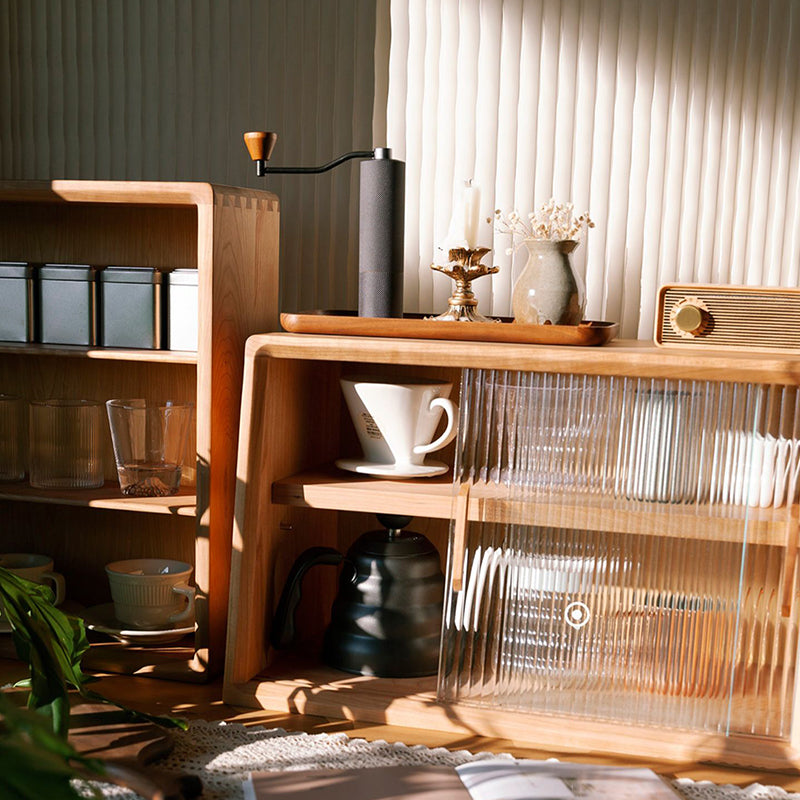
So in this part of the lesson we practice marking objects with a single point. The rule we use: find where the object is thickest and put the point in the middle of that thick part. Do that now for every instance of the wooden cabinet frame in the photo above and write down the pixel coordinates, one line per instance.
(288, 497)
(231, 237)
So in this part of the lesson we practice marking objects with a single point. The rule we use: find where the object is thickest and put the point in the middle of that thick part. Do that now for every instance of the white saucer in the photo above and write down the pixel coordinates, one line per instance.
(392, 470)
(102, 620)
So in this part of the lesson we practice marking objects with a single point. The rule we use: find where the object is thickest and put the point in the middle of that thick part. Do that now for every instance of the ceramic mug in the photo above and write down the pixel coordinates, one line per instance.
(151, 593)
(396, 422)
(36, 568)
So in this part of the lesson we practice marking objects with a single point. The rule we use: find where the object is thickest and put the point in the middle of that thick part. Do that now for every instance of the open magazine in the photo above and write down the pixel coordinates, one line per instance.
(493, 779)
(559, 780)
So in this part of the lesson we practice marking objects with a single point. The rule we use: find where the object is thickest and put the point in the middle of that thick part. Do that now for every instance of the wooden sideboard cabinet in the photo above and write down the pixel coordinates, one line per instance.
(289, 497)
(230, 236)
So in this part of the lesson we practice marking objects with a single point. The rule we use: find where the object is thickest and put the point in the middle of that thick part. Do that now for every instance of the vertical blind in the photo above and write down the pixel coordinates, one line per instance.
(676, 124)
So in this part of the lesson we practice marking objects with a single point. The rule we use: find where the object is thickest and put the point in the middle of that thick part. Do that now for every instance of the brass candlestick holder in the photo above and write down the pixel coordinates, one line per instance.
(464, 267)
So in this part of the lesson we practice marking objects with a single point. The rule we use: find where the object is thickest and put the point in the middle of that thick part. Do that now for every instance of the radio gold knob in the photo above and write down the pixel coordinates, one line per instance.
(689, 317)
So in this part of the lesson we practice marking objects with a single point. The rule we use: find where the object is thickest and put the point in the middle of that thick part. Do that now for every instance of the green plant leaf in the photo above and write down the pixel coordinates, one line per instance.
(38, 639)
(53, 643)
(35, 762)
(26, 775)
(163, 722)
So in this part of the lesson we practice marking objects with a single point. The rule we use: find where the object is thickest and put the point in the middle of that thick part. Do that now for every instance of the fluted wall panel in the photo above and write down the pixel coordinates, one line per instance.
(164, 89)
(675, 123)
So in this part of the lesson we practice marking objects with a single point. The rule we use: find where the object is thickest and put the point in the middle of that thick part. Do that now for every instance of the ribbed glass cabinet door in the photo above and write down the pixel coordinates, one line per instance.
(634, 556)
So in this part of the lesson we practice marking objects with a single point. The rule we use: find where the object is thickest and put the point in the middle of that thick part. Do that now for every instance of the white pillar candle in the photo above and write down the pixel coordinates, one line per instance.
(463, 231)
(471, 214)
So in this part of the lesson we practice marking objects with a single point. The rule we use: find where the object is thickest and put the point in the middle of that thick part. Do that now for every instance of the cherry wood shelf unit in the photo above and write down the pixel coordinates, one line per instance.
(290, 497)
(230, 236)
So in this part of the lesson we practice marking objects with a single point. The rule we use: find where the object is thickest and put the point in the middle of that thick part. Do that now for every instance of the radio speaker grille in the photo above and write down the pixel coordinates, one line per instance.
(734, 317)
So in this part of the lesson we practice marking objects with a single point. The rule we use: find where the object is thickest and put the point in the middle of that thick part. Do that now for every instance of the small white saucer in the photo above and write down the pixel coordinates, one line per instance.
(392, 470)
(102, 620)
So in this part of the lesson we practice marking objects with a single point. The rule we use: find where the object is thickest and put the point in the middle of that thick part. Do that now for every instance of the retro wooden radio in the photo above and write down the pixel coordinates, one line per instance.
(733, 317)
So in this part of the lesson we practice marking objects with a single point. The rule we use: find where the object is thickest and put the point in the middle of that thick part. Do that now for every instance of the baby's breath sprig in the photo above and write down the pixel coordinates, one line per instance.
(555, 222)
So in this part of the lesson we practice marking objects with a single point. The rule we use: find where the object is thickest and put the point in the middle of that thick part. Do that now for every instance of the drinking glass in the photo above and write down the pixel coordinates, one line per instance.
(66, 444)
(12, 438)
(149, 442)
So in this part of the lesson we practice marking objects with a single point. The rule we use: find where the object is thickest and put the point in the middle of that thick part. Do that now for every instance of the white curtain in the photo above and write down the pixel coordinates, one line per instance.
(675, 123)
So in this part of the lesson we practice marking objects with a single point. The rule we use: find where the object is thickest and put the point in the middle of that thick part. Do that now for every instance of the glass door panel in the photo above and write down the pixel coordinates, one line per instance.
(630, 560)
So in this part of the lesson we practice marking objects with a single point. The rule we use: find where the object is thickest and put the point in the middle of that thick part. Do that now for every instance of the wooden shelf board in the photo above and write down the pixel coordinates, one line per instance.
(159, 193)
(174, 661)
(299, 685)
(100, 353)
(170, 662)
(108, 496)
(634, 358)
(332, 489)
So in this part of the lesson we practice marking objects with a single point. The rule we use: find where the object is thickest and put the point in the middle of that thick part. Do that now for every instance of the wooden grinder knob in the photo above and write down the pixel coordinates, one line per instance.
(260, 144)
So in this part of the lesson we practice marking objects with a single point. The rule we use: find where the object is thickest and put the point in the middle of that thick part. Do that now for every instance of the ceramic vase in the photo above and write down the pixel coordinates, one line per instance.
(549, 291)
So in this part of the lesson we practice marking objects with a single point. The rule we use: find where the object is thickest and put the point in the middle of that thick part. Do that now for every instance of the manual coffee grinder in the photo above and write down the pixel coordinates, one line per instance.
(381, 219)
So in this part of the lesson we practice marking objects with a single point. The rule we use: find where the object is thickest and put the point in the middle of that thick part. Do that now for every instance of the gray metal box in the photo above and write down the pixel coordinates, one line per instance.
(183, 309)
(16, 302)
(67, 295)
(131, 307)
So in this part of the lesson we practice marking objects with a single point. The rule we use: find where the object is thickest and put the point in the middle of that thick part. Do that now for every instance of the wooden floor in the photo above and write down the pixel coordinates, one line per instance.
(204, 702)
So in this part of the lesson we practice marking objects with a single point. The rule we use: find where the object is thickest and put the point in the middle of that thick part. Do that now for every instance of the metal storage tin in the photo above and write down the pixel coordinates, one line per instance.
(67, 295)
(131, 307)
(183, 296)
(16, 302)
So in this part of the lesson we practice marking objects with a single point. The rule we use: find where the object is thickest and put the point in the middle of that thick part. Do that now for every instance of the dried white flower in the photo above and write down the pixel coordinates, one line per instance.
(553, 222)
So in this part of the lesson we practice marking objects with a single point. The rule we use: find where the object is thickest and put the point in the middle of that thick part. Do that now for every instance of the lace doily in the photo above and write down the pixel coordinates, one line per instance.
(222, 755)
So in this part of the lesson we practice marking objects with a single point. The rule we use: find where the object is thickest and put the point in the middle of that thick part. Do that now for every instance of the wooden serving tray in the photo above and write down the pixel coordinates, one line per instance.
(415, 326)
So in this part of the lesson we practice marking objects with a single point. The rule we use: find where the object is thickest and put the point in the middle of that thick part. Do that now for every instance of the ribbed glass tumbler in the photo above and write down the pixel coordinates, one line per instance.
(66, 444)
(12, 439)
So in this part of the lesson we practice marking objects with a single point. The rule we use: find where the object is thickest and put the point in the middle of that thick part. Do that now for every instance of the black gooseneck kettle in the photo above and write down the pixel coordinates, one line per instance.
(387, 616)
